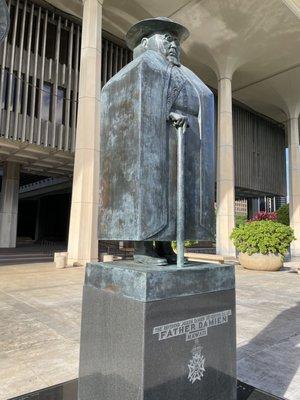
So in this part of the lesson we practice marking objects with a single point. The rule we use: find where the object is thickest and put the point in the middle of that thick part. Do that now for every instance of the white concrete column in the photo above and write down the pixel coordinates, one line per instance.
(225, 170)
(294, 182)
(83, 243)
(9, 204)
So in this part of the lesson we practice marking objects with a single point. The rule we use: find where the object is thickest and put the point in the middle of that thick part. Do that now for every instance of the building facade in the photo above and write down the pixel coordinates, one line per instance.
(53, 63)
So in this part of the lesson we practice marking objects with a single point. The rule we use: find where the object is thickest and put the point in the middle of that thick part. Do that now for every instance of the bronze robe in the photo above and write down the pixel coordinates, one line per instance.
(138, 158)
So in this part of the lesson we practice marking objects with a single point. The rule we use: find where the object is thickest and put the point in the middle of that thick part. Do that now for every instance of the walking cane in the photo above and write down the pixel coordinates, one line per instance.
(180, 195)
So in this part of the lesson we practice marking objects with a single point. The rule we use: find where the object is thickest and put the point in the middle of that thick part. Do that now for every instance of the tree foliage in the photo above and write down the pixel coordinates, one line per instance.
(283, 215)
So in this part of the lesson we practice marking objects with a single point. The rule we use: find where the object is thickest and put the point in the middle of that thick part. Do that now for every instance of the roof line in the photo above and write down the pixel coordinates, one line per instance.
(293, 7)
(180, 8)
(267, 77)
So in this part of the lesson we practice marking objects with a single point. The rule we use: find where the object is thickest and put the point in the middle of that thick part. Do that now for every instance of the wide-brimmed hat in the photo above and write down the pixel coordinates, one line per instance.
(146, 27)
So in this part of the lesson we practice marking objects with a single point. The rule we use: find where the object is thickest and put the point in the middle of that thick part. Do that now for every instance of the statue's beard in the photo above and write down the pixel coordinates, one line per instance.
(173, 60)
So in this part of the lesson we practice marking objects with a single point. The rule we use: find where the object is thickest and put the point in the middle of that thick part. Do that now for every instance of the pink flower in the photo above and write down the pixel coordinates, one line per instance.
(264, 216)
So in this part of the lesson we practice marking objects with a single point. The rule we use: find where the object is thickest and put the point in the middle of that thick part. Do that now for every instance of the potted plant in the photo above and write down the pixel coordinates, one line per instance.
(262, 244)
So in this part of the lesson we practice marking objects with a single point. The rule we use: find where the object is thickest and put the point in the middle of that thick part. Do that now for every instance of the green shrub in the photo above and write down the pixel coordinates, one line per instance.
(187, 243)
(283, 215)
(240, 220)
(262, 237)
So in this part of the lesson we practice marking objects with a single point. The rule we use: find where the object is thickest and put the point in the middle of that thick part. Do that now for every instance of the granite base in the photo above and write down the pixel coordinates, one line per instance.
(151, 333)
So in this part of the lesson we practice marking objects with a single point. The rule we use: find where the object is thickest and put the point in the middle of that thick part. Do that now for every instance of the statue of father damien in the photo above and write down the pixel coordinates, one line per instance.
(142, 107)
(4, 20)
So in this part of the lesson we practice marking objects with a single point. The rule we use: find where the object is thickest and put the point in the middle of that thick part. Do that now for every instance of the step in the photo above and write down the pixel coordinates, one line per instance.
(203, 257)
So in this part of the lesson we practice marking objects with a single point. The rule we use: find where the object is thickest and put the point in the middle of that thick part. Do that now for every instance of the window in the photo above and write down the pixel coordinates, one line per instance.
(15, 82)
(4, 89)
(13, 100)
(51, 40)
(12, 13)
(60, 111)
(64, 46)
(46, 101)
(72, 108)
(31, 90)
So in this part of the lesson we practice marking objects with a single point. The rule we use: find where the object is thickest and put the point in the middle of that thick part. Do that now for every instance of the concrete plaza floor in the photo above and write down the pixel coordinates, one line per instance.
(40, 309)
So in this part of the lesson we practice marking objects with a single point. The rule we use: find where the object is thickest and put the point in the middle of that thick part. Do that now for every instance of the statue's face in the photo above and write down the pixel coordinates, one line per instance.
(165, 43)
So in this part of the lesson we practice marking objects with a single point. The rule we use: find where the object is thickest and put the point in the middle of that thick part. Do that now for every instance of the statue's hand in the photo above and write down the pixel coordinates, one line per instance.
(178, 120)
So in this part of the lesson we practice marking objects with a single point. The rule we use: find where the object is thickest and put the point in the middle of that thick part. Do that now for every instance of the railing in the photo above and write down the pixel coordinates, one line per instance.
(48, 247)
(43, 183)
(114, 58)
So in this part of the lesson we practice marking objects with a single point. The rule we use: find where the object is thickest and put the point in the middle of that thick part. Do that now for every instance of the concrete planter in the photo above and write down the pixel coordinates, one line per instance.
(60, 259)
(261, 262)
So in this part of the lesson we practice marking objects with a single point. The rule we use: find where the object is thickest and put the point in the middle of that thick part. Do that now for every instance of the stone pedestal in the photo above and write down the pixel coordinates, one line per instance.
(152, 333)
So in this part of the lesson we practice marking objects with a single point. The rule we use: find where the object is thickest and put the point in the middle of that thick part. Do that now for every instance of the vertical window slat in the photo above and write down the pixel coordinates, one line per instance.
(121, 58)
(11, 77)
(110, 60)
(34, 78)
(75, 90)
(26, 83)
(42, 78)
(68, 92)
(105, 64)
(3, 77)
(55, 82)
(19, 80)
(116, 55)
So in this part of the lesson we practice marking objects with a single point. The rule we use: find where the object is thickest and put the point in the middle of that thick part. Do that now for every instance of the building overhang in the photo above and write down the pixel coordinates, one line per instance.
(256, 42)
(37, 159)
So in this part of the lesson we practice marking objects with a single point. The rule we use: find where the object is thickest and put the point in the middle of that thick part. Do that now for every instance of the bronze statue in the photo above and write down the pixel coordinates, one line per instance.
(4, 20)
(143, 105)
